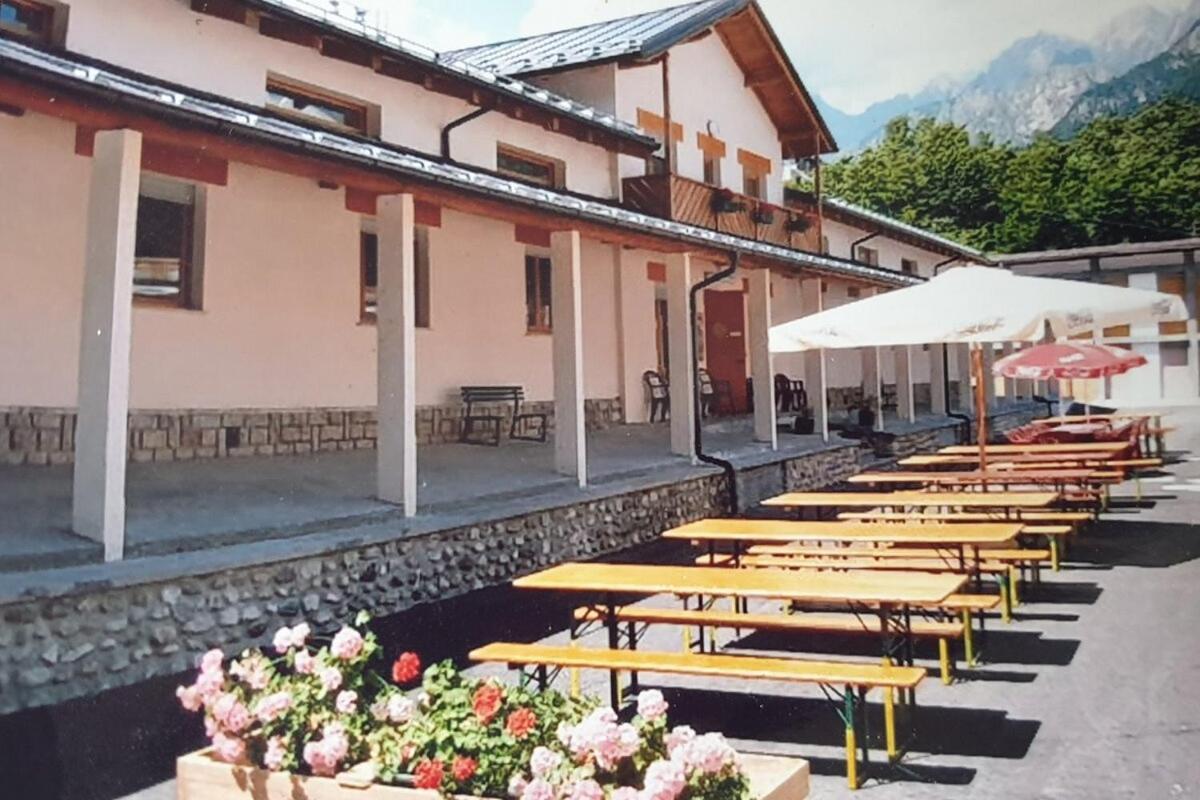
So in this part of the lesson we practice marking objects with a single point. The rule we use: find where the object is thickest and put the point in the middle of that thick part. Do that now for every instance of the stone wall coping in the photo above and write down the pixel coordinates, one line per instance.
(374, 529)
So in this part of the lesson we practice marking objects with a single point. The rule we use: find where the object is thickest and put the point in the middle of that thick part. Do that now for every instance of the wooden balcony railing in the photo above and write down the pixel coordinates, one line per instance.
(695, 203)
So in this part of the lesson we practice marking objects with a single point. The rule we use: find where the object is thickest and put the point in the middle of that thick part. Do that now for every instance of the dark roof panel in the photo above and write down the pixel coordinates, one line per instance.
(643, 36)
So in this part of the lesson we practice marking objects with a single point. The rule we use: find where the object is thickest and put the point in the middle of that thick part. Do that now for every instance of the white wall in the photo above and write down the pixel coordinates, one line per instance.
(280, 321)
(165, 39)
(707, 86)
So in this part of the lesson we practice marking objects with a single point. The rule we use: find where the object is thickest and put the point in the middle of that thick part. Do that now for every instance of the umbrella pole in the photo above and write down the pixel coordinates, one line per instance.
(980, 404)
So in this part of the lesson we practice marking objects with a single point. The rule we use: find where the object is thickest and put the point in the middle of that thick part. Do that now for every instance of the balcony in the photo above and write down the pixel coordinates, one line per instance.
(684, 200)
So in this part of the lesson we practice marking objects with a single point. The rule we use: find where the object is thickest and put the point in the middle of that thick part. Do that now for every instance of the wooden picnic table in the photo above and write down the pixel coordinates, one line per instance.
(1058, 477)
(999, 500)
(1033, 460)
(887, 595)
(1066, 419)
(994, 450)
(961, 539)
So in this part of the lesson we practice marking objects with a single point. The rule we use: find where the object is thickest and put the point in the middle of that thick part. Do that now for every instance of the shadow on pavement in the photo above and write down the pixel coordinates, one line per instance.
(1141, 544)
(941, 730)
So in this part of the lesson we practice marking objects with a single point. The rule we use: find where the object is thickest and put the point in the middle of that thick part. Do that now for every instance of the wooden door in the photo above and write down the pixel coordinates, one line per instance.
(725, 342)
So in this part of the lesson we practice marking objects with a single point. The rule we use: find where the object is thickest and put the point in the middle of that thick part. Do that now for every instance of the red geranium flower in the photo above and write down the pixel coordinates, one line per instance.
(463, 768)
(429, 774)
(521, 723)
(406, 669)
(486, 702)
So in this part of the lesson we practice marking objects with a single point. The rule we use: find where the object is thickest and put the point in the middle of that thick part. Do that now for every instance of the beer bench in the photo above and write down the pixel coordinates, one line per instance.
(845, 684)
(490, 423)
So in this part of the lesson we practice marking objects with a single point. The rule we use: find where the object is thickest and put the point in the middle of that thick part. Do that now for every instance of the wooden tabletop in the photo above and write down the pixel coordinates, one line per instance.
(947, 460)
(1055, 447)
(897, 588)
(1089, 418)
(912, 499)
(770, 531)
(1070, 475)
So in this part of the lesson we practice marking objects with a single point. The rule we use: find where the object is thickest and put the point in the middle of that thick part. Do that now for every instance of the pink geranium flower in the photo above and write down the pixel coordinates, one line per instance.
(276, 753)
(229, 749)
(347, 644)
(347, 702)
(270, 707)
(305, 663)
(538, 789)
(331, 679)
(651, 706)
(189, 697)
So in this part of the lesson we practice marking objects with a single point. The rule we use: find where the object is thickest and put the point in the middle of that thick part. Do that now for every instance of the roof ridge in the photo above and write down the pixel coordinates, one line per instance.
(574, 28)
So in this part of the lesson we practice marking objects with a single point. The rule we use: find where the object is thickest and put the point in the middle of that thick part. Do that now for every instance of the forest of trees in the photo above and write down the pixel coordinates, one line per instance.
(1118, 180)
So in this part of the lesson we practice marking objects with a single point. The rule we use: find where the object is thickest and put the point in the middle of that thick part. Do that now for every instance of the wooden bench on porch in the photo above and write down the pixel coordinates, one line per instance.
(489, 422)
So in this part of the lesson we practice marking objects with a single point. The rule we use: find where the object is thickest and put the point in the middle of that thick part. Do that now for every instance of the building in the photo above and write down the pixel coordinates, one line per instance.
(1173, 373)
(336, 219)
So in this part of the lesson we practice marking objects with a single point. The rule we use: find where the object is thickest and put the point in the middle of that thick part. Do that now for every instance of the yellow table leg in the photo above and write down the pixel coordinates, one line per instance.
(1054, 553)
(1005, 600)
(687, 639)
(889, 721)
(968, 639)
(1014, 578)
(944, 660)
(851, 758)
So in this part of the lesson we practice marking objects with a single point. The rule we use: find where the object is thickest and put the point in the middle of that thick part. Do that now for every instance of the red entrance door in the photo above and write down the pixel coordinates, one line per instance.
(725, 342)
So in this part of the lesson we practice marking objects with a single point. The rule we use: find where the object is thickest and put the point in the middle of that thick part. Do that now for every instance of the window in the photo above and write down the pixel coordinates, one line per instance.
(755, 169)
(908, 266)
(369, 275)
(712, 170)
(537, 294)
(868, 255)
(317, 105)
(530, 167)
(752, 185)
(166, 268)
(27, 19)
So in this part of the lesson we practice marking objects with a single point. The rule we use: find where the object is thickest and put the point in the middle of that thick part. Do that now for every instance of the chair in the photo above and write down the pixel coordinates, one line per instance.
(716, 397)
(658, 394)
(707, 392)
(790, 395)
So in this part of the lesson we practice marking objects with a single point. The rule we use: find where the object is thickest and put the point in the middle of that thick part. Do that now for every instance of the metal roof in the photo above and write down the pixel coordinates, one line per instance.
(903, 227)
(643, 35)
(1100, 251)
(329, 17)
(119, 85)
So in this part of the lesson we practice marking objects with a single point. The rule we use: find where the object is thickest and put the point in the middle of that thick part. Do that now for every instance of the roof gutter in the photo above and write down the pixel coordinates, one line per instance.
(854, 245)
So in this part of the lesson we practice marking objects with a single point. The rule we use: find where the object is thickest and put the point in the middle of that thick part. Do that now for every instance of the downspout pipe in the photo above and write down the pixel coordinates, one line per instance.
(854, 245)
(449, 127)
(698, 429)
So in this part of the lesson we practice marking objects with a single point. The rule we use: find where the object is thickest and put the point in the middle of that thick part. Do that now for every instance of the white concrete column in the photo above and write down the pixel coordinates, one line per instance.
(811, 302)
(102, 426)
(906, 407)
(872, 371)
(566, 298)
(1010, 384)
(989, 380)
(635, 331)
(937, 379)
(759, 324)
(966, 398)
(679, 343)
(396, 353)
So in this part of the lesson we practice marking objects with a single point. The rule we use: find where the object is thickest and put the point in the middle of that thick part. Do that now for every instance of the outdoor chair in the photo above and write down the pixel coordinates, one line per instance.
(486, 422)
(790, 395)
(716, 397)
(658, 394)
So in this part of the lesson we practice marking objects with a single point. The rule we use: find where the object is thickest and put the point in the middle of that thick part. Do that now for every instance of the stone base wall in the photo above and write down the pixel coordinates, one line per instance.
(40, 436)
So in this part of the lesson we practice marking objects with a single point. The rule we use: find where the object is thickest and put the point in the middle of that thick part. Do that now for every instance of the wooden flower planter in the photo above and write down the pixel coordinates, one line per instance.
(199, 776)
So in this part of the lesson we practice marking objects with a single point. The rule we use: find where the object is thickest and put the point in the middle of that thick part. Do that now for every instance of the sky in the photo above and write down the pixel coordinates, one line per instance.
(851, 52)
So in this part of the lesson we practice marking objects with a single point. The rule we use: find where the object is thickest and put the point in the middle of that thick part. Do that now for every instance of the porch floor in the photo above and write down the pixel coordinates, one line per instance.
(192, 505)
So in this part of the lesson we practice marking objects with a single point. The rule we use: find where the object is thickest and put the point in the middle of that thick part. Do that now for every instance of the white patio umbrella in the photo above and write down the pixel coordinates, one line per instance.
(976, 305)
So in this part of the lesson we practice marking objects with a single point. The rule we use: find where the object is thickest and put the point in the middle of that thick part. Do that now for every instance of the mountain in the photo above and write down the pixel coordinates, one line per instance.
(1175, 73)
(1033, 84)
(1025, 89)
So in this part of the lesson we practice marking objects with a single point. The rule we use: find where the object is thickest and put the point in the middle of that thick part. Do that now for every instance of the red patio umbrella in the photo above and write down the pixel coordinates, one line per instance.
(1069, 360)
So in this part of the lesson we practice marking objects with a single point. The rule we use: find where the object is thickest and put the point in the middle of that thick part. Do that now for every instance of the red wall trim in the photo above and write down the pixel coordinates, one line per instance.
(168, 159)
